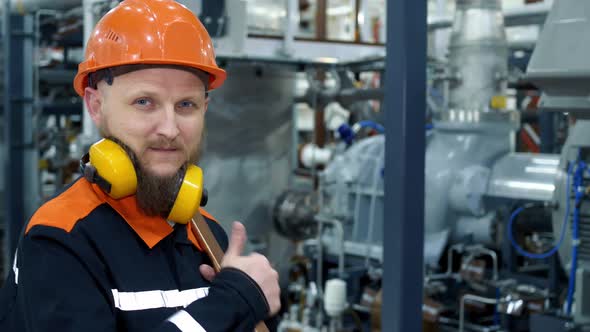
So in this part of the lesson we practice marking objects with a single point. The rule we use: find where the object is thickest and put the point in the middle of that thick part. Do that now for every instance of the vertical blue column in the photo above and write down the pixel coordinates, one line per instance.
(17, 113)
(405, 86)
(6, 250)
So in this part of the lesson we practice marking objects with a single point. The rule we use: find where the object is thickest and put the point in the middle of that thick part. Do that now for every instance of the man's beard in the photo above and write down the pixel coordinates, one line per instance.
(155, 193)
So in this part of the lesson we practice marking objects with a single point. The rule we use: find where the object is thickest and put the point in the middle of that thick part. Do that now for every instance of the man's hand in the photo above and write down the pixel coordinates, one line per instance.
(207, 272)
(254, 265)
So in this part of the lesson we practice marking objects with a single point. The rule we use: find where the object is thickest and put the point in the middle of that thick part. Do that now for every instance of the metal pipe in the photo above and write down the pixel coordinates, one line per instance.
(475, 298)
(474, 249)
(337, 224)
(367, 33)
(484, 251)
(459, 247)
(321, 19)
(372, 209)
(344, 95)
(347, 97)
(319, 279)
(290, 27)
(356, 12)
(357, 213)
(526, 15)
(294, 149)
(319, 127)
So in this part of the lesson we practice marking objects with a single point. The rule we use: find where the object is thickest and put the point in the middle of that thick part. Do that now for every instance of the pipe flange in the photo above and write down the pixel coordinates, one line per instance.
(474, 119)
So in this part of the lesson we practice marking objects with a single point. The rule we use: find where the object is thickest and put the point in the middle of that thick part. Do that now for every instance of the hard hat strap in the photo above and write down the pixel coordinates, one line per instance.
(99, 75)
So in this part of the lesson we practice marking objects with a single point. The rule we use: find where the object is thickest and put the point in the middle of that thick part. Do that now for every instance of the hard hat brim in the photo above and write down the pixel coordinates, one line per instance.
(216, 75)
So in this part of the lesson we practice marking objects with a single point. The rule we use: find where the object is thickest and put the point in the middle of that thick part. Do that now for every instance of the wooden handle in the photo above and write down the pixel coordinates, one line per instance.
(207, 241)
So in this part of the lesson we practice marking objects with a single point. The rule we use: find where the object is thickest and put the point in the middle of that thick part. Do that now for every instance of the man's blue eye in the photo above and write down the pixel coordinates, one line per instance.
(187, 104)
(142, 101)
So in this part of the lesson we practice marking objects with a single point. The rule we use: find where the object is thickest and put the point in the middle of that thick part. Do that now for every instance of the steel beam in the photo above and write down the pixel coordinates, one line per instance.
(20, 161)
(405, 105)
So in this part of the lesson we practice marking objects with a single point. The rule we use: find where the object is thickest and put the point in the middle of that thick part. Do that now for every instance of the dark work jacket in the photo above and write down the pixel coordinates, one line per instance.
(87, 262)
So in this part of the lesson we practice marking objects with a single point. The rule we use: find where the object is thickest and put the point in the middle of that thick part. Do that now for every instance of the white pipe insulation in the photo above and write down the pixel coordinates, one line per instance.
(29, 6)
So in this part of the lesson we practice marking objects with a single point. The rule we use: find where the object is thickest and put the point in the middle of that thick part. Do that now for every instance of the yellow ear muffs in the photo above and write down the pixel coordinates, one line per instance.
(108, 165)
(115, 171)
(190, 196)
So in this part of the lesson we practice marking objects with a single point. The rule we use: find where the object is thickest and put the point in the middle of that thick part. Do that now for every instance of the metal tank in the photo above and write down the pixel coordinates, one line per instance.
(471, 135)
(247, 150)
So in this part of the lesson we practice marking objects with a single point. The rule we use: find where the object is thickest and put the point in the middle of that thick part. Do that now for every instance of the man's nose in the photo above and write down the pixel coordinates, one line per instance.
(168, 124)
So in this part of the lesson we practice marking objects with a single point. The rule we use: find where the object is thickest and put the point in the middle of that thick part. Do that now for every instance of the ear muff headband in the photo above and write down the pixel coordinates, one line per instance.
(111, 168)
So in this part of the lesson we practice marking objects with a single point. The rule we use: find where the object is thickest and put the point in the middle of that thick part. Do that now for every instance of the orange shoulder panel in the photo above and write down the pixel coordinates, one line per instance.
(65, 210)
(207, 215)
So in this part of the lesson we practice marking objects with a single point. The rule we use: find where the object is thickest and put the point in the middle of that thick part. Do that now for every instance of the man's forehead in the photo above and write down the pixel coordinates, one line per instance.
(142, 71)
(120, 70)
(155, 84)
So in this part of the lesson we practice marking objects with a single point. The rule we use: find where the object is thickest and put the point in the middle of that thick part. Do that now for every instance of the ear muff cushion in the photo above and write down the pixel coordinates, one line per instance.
(113, 164)
(189, 196)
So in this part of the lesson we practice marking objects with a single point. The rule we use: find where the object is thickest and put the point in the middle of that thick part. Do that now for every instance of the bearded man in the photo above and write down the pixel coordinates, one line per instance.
(92, 259)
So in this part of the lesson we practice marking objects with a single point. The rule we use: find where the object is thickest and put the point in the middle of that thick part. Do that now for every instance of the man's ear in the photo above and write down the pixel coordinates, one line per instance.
(93, 101)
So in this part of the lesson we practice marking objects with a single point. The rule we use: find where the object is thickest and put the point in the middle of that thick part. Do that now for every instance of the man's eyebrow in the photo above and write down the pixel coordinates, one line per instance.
(141, 91)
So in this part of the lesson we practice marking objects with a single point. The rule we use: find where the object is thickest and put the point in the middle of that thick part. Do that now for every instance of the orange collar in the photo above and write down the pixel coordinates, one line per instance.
(150, 229)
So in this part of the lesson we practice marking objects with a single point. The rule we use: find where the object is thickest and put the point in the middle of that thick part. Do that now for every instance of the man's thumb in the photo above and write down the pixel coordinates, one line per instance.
(237, 240)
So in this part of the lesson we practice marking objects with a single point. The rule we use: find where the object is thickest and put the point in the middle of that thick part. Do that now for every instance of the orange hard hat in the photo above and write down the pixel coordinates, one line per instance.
(149, 32)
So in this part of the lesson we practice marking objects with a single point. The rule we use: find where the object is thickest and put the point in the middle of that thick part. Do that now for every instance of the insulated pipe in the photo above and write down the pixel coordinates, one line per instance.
(311, 155)
(26, 6)
(525, 176)
(291, 22)
(335, 297)
(345, 97)
(524, 15)
(337, 224)
(477, 55)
